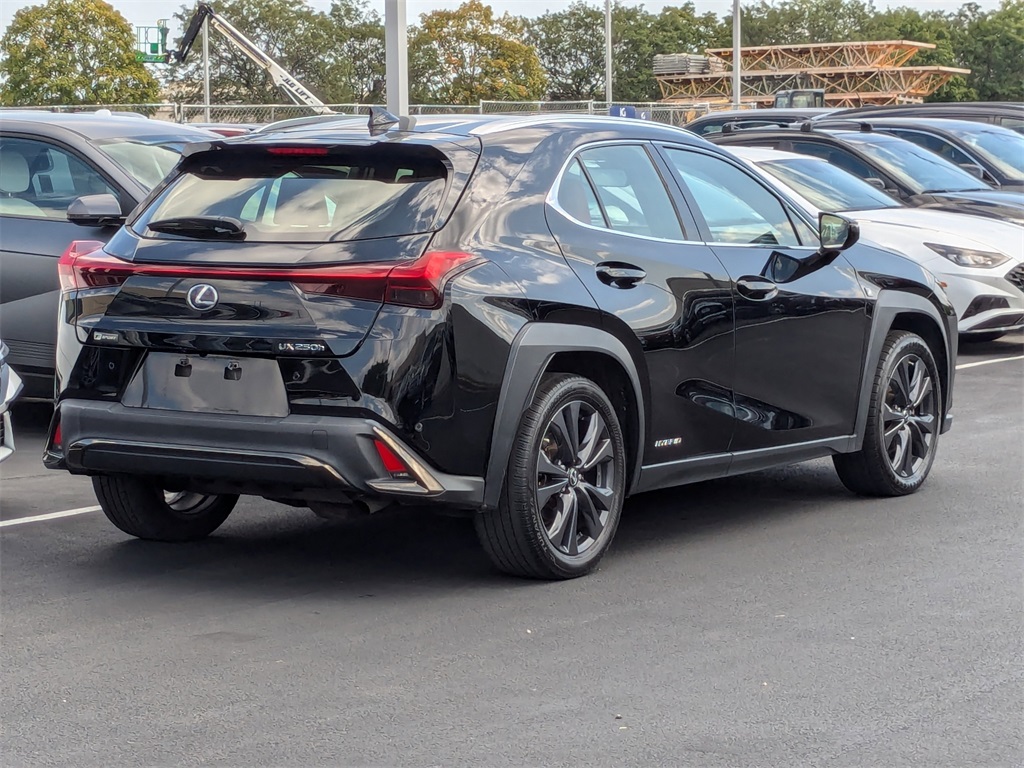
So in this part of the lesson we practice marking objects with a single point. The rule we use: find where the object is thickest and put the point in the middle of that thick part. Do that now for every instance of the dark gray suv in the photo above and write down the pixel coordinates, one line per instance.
(47, 161)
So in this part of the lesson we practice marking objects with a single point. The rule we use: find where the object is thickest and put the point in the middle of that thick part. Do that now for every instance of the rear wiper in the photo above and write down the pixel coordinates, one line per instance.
(200, 226)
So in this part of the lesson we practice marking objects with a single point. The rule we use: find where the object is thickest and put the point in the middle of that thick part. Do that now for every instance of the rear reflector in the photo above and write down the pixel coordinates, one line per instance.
(394, 465)
(55, 441)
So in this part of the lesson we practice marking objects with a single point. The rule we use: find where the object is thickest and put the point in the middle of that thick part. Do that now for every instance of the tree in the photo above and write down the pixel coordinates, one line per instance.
(72, 52)
(991, 45)
(570, 46)
(358, 67)
(467, 55)
(289, 31)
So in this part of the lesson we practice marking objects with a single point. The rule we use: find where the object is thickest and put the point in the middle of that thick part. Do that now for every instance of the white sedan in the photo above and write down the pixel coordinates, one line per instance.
(980, 260)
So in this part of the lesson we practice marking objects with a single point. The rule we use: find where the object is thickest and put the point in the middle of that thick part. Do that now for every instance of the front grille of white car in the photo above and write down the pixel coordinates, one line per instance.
(1016, 276)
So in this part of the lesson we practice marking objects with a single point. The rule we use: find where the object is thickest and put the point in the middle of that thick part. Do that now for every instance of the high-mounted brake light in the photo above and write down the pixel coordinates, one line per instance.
(65, 264)
(315, 151)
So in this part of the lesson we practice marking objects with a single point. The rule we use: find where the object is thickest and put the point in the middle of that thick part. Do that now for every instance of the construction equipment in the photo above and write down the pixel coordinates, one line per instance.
(151, 43)
(849, 74)
(295, 90)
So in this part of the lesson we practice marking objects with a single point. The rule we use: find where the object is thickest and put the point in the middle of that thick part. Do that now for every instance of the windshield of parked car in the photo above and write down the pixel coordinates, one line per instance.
(920, 170)
(1001, 147)
(826, 187)
(296, 195)
(148, 162)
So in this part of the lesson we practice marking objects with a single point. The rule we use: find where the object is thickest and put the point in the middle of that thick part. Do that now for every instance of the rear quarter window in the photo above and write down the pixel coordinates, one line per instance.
(351, 194)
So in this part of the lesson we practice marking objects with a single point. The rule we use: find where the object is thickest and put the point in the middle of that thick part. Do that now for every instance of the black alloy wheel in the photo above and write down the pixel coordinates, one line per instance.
(910, 416)
(575, 477)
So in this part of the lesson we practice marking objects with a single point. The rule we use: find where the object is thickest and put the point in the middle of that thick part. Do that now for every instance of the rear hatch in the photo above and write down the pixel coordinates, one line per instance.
(265, 249)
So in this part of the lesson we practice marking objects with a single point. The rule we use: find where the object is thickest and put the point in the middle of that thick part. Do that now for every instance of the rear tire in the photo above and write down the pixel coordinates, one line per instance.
(141, 508)
(904, 420)
(564, 487)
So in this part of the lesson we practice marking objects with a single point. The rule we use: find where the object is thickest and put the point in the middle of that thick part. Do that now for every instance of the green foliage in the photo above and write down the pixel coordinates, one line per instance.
(570, 46)
(991, 45)
(467, 54)
(72, 52)
(357, 63)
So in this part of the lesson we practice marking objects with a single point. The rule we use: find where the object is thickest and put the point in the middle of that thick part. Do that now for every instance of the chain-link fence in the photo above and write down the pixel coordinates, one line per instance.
(662, 112)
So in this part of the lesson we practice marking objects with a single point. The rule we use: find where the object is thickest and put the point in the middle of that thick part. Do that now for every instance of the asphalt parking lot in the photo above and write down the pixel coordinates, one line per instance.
(771, 619)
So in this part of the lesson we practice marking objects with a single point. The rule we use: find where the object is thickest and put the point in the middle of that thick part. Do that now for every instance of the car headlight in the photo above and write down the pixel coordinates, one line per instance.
(969, 257)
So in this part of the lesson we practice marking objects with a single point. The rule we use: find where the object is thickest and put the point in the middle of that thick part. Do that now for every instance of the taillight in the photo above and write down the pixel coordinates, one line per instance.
(417, 284)
(65, 264)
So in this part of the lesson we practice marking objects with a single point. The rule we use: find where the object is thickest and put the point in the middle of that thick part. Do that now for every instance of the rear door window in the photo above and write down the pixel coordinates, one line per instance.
(308, 194)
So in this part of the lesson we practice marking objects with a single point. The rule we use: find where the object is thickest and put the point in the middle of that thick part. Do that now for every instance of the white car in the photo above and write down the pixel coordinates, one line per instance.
(979, 260)
(10, 386)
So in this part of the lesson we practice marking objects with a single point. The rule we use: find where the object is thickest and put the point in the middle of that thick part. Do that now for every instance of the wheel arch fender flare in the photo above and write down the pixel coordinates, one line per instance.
(888, 307)
(531, 354)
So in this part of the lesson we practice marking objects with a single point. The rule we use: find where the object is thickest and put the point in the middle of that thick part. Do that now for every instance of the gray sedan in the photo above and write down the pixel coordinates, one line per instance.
(47, 161)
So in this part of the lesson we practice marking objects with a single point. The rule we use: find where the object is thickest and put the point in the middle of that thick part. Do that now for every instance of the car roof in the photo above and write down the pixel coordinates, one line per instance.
(92, 126)
(488, 128)
(935, 123)
(763, 154)
(767, 112)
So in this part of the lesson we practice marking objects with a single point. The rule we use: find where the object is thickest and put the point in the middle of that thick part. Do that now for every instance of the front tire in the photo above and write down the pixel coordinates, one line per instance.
(140, 508)
(565, 485)
(904, 417)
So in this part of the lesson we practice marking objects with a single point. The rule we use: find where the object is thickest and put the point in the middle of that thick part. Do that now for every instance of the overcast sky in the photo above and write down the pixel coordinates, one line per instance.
(146, 12)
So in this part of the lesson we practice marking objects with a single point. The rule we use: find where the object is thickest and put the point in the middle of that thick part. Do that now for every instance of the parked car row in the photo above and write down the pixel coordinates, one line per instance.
(524, 320)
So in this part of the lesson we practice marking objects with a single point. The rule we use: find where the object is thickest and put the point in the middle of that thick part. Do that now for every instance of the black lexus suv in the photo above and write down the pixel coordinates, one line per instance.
(525, 319)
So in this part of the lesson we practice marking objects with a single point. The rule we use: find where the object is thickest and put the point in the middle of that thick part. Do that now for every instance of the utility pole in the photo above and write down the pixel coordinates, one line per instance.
(396, 52)
(206, 69)
(608, 51)
(736, 53)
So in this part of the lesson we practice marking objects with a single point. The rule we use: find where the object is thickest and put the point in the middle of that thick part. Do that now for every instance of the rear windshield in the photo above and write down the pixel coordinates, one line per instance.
(356, 193)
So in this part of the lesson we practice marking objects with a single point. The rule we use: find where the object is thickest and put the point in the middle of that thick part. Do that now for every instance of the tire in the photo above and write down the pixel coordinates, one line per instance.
(903, 424)
(141, 508)
(551, 508)
(981, 338)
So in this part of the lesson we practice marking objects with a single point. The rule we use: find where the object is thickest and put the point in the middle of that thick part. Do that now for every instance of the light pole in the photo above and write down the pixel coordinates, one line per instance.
(396, 53)
(608, 51)
(736, 53)
(206, 69)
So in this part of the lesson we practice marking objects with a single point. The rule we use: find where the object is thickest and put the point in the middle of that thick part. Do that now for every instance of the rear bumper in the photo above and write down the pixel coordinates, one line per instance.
(294, 455)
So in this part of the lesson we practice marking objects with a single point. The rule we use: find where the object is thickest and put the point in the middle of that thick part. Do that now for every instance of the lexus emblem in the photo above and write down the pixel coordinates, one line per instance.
(202, 297)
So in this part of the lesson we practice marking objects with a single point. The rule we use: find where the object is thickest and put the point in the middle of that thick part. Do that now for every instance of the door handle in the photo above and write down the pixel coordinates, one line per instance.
(756, 288)
(620, 275)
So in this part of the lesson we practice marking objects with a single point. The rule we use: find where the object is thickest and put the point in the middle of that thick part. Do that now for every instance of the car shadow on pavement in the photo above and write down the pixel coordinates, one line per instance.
(1010, 344)
(290, 552)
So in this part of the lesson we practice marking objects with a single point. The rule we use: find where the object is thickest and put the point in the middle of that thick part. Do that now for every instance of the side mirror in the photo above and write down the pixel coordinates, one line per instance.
(837, 233)
(876, 182)
(96, 211)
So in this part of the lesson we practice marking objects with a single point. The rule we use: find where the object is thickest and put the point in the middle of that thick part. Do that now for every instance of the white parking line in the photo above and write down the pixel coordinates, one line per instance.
(48, 516)
(989, 362)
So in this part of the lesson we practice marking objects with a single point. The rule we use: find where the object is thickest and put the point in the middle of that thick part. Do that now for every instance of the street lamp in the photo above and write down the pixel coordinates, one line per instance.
(736, 53)
(396, 56)
(608, 51)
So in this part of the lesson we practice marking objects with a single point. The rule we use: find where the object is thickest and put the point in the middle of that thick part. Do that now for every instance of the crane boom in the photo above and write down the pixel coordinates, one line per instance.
(295, 90)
